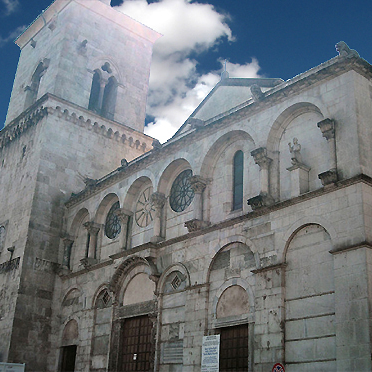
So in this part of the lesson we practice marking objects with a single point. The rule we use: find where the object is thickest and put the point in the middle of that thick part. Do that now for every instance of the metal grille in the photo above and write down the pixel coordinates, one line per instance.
(234, 349)
(137, 348)
(181, 194)
(112, 225)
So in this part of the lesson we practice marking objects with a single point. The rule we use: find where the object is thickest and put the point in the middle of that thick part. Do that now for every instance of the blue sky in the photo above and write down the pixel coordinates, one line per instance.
(276, 39)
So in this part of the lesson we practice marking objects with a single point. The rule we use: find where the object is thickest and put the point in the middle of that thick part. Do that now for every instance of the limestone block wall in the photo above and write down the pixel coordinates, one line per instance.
(18, 161)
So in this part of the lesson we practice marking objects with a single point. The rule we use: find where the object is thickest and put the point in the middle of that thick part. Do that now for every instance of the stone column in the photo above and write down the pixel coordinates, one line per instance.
(327, 126)
(264, 198)
(198, 184)
(158, 201)
(124, 216)
(67, 242)
(102, 83)
(93, 229)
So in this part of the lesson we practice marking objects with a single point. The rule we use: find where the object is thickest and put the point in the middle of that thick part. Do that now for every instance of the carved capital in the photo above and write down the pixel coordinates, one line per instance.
(198, 184)
(328, 177)
(260, 201)
(123, 215)
(327, 126)
(92, 227)
(87, 262)
(260, 157)
(195, 225)
(158, 200)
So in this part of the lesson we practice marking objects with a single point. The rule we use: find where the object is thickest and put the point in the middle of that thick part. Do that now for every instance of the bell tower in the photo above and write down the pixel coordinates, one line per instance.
(76, 113)
(87, 53)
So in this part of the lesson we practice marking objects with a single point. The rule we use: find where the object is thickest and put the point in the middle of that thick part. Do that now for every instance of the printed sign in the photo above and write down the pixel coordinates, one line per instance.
(211, 354)
(278, 368)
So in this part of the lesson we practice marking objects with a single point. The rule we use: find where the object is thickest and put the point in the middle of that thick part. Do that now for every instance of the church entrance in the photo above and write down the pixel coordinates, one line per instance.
(137, 346)
(68, 358)
(234, 348)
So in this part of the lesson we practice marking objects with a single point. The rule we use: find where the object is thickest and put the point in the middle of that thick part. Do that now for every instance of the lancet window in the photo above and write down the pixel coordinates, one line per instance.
(238, 166)
(103, 92)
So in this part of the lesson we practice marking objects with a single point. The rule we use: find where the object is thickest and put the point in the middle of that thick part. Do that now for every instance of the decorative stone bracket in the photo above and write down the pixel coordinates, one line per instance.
(260, 201)
(195, 225)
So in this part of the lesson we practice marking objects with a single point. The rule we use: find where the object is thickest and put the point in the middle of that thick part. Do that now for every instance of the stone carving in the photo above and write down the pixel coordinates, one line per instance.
(195, 225)
(124, 163)
(156, 145)
(197, 184)
(344, 50)
(327, 126)
(257, 92)
(328, 177)
(260, 201)
(295, 149)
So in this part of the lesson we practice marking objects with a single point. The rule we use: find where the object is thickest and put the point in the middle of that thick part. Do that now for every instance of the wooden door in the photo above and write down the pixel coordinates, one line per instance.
(234, 349)
(68, 358)
(137, 346)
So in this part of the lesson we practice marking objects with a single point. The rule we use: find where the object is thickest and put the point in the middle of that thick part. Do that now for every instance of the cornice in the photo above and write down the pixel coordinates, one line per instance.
(43, 107)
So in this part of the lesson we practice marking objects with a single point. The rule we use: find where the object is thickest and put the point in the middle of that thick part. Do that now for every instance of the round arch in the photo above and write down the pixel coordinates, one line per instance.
(284, 119)
(169, 173)
(218, 147)
(108, 200)
(76, 222)
(299, 225)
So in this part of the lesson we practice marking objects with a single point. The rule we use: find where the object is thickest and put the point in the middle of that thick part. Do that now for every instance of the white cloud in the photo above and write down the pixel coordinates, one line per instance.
(12, 36)
(10, 6)
(176, 88)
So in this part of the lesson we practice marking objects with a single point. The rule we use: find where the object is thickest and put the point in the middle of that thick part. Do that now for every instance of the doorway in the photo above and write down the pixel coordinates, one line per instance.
(137, 346)
(234, 348)
(68, 358)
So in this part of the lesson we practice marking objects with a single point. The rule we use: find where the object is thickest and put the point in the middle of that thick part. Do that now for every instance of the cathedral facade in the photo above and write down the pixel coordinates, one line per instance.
(251, 224)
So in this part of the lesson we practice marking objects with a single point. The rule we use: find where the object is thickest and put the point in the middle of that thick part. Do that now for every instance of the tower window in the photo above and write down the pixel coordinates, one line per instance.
(32, 90)
(238, 180)
(103, 93)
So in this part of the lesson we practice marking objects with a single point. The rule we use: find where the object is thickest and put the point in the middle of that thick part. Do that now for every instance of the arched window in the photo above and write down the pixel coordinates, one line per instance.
(109, 99)
(103, 92)
(94, 92)
(238, 180)
(33, 89)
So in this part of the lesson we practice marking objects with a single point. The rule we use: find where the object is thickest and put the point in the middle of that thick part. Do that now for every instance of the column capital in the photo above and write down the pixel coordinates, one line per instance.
(198, 184)
(123, 214)
(92, 227)
(260, 157)
(158, 200)
(327, 126)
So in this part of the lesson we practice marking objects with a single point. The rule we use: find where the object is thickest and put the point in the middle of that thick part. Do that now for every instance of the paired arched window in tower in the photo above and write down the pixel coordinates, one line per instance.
(103, 93)
(238, 165)
(32, 90)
